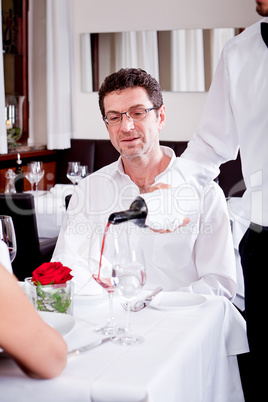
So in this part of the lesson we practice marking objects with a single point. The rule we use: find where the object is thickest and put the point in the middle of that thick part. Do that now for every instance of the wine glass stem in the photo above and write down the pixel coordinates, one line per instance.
(128, 327)
(111, 321)
(32, 186)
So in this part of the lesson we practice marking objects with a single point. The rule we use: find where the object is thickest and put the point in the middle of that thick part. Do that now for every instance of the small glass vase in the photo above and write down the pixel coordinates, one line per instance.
(56, 298)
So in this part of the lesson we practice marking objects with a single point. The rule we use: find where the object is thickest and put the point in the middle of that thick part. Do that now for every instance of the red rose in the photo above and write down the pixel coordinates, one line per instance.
(51, 272)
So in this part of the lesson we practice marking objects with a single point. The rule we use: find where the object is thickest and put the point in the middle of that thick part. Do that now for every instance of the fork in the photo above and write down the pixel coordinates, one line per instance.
(140, 304)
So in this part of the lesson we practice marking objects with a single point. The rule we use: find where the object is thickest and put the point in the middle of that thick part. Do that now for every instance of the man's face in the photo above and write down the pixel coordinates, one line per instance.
(134, 138)
(262, 7)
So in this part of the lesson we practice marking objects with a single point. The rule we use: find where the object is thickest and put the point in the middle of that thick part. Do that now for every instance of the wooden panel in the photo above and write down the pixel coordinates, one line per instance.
(49, 158)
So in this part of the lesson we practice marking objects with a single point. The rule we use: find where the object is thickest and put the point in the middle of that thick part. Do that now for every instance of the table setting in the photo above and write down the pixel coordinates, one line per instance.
(156, 345)
(179, 347)
(185, 348)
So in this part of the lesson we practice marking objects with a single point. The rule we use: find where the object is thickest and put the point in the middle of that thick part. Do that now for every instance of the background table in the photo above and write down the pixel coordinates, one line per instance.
(188, 355)
(50, 209)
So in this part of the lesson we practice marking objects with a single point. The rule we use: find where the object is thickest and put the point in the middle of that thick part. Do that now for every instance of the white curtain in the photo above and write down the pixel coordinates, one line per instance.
(60, 74)
(3, 132)
(187, 60)
(137, 50)
(86, 63)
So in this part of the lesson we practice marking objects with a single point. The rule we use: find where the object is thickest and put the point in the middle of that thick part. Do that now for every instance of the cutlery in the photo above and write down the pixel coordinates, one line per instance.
(78, 351)
(140, 304)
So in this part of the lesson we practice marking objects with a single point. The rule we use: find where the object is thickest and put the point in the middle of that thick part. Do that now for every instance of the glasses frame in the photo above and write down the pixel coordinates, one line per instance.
(105, 118)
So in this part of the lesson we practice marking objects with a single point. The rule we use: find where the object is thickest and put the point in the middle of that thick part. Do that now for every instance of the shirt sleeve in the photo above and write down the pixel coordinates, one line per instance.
(214, 251)
(77, 248)
(215, 140)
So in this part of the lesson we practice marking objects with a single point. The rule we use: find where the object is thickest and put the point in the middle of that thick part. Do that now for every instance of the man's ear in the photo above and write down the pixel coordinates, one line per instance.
(162, 117)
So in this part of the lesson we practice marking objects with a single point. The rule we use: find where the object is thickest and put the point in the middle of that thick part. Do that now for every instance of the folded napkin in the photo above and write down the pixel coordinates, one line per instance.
(62, 188)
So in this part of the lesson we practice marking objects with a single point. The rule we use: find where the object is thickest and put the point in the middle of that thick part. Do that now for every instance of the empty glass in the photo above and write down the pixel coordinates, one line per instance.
(35, 172)
(129, 276)
(74, 172)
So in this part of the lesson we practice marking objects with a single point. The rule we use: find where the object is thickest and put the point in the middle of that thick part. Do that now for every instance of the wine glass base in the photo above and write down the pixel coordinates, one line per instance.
(127, 340)
(110, 331)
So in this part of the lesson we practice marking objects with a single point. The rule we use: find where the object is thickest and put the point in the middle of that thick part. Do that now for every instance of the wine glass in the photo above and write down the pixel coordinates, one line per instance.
(129, 276)
(35, 172)
(8, 236)
(39, 173)
(74, 172)
(30, 174)
(104, 278)
(84, 171)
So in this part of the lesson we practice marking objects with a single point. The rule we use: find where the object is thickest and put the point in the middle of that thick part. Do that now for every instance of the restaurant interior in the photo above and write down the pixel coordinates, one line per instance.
(55, 56)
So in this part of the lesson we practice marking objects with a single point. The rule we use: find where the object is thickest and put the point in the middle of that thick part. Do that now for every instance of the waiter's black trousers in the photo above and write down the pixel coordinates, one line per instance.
(253, 250)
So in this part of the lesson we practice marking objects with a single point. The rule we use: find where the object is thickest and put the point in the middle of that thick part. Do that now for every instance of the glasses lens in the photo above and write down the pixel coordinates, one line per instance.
(137, 114)
(113, 118)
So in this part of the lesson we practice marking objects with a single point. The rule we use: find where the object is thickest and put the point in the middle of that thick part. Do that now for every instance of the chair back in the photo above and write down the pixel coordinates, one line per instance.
(21, 208)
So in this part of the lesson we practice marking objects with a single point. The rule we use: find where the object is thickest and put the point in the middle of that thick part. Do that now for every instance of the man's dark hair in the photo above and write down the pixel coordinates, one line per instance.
(131, 78)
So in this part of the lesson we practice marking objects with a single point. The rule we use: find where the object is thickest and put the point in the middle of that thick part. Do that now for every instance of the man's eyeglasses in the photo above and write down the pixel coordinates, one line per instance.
(137, 114)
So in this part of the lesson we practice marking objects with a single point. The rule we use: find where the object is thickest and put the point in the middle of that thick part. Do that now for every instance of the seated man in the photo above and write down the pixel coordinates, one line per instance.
(188, 246)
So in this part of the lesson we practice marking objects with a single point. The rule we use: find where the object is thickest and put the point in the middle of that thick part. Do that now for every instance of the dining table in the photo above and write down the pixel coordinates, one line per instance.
(188, 354)
(50, 209)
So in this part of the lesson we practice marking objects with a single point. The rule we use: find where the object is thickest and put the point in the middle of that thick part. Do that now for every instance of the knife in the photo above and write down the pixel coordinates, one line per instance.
(77, 352)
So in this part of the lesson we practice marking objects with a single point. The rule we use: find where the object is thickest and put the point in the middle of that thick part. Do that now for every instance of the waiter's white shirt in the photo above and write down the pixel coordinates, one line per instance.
(198, 257)
(235, 116)
(4, 257)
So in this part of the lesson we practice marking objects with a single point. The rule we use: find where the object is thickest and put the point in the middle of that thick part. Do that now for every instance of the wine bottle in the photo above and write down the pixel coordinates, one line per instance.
(137, 212)
(19, 176)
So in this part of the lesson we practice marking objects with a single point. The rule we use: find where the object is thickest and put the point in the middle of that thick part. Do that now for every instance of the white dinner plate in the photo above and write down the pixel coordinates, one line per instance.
(63, 323)
(176, 300)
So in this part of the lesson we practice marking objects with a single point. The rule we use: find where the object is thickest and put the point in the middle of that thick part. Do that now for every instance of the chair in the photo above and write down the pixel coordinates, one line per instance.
(67, 200)
(31, 250)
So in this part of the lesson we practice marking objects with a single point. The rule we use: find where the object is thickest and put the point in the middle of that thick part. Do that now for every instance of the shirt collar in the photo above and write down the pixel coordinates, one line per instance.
(166, 150)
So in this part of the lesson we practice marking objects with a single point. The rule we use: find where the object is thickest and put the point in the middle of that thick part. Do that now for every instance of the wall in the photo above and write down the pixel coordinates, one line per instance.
(183, 109)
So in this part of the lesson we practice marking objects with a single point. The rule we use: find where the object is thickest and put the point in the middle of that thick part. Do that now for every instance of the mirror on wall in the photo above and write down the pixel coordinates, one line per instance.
(181, 60)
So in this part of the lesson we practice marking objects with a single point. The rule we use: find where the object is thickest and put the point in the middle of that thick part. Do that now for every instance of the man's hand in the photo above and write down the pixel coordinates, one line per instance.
(158, 186)
(184, 223)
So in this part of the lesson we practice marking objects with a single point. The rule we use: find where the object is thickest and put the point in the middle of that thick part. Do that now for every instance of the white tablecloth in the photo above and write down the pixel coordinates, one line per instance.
(188, 356)
(50, 209)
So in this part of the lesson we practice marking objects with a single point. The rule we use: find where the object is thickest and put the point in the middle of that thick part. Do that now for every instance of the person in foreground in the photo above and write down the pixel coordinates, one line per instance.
(235, 117)
(38, 349)
(188, 246)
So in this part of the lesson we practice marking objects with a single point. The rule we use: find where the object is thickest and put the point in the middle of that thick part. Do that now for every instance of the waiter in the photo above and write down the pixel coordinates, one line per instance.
(235, 118)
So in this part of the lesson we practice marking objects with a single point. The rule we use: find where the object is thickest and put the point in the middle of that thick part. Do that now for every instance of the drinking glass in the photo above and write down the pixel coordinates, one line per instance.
(30, 174)
(107, 282)
(35, 173)
(39, 170)
(7, 234)
(84, 171)
(104, 277)
(129, 276)
(74, 172)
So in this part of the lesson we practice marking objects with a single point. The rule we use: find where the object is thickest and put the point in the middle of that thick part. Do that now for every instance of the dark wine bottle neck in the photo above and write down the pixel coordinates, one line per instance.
(137, 213)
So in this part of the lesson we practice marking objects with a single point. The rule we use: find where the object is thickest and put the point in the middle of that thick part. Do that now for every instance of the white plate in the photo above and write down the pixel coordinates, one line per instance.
(63, 323)
(176, 300)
